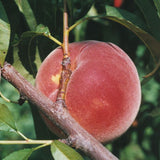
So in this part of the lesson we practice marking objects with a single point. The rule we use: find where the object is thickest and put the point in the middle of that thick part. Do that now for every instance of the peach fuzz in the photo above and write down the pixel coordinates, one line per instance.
(103, 94)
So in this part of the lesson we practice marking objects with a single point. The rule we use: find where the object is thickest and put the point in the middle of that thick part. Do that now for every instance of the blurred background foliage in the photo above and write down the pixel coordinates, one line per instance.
(26, 51)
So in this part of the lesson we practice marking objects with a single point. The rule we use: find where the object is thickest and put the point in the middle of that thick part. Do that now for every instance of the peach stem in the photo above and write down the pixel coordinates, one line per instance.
(65, 31)
(66, 64)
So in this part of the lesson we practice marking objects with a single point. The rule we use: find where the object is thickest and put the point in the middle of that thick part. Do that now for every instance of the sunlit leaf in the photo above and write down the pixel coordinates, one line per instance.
(157, 4)
(6, 117)
(4, 127)
(42, 29)
(4, 34)
(62, 151)
(25, 8)
(20, 155)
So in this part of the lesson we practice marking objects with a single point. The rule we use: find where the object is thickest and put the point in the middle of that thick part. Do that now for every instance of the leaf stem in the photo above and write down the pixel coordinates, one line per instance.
(77, 23)
(43, 145)
(53, 39)
(83, 20)
(45, 142)
(23, 136)
(6, 99)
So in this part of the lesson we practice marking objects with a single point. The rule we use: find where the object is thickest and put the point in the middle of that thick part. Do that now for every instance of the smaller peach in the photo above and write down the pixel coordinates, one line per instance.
(118, 3)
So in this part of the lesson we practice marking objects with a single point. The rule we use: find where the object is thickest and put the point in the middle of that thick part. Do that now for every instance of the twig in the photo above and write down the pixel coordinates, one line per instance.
(65, 31)
(66, 63)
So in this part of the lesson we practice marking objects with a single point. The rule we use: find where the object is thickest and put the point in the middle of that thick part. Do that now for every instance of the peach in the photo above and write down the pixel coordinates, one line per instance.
(118, 3)
(103, 94)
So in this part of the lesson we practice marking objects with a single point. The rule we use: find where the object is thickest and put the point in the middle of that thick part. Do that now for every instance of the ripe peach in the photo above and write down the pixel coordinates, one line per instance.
(103, 94)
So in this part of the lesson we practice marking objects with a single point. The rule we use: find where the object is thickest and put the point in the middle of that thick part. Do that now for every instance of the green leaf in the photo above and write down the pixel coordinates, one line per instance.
(121, 15)
(40, 30)
(134, 25)
(126, 19)
(78, 8)
(157, 4)
(20, 155)
(4, 127)
(6, 117)
(19, 66)
(4, 34)
(42, 131)
(37, 60)
(3, 14)
(25, 8)
(62, 151)
(133, 151)
(70, 7)
(151, 16)
(28, 52)
(155, 112)
(27, 58)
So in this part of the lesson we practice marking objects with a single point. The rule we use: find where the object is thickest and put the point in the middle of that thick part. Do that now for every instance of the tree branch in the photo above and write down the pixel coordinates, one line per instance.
(77, 136)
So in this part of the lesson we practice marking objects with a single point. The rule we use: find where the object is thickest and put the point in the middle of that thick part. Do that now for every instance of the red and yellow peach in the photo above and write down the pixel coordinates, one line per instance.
(103, 94)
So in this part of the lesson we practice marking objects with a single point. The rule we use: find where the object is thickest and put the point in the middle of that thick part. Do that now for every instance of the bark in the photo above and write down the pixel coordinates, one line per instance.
(58, 114)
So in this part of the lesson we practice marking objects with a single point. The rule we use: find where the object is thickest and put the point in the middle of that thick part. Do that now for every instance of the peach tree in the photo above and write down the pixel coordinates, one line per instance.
(83, 93)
